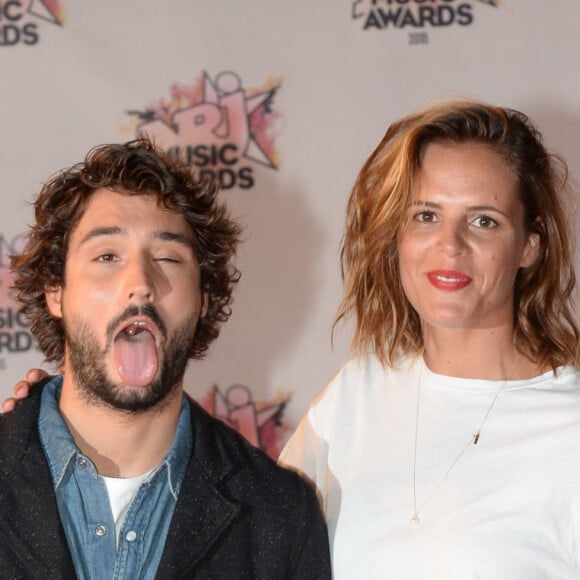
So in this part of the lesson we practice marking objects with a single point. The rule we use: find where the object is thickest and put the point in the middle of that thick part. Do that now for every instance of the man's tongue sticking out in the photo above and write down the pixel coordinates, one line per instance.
(136, 356)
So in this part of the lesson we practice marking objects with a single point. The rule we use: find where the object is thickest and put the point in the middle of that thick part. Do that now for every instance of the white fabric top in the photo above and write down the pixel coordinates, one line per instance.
(121, 492)
(509, 508)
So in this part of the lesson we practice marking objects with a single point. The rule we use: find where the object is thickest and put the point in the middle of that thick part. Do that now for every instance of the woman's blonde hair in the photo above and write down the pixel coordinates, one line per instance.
(544, 325)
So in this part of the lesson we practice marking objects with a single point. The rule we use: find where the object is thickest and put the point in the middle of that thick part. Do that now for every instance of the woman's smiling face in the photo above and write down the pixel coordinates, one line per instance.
(465, 238)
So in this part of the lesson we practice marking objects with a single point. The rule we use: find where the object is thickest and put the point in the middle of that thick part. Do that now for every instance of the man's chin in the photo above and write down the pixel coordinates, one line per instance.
(129, 399)
(96, 374)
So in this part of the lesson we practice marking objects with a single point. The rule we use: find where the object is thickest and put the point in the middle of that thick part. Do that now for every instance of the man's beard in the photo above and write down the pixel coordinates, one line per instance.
(87, 363)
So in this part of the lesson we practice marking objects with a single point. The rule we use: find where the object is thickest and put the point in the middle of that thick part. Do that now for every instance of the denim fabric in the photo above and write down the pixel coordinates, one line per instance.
(83, 501)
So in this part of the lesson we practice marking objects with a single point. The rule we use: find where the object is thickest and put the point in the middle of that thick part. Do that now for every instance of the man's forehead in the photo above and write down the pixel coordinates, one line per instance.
(112, 203)
(111, 212)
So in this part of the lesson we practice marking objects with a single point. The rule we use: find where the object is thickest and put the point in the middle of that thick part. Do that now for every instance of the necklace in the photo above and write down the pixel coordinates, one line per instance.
(473, 440)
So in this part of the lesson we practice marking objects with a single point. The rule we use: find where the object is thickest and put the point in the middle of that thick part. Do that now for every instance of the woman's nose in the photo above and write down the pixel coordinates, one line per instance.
(452, 239)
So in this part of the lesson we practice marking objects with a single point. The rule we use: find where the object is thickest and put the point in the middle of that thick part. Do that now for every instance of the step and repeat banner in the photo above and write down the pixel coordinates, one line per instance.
(282, 102)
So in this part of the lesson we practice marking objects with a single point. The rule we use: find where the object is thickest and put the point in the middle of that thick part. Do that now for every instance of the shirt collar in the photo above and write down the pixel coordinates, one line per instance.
(59, 446)
(179, 453)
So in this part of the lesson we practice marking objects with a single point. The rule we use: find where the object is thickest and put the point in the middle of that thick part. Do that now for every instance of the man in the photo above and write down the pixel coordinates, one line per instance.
(109, 470)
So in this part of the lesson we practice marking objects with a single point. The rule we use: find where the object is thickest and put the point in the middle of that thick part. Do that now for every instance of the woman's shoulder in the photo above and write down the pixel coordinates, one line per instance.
(562, 379)
(364, 378)
(370, 368)
(565, 379)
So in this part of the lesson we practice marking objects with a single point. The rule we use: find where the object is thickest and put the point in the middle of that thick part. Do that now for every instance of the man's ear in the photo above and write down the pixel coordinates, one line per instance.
(204, 304)
(53, 297)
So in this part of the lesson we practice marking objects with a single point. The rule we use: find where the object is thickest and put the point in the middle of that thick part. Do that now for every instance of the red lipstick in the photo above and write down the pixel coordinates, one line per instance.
(449, 280)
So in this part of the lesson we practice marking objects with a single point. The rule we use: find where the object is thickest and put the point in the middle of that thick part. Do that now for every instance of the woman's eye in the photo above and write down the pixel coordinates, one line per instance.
(425, 217)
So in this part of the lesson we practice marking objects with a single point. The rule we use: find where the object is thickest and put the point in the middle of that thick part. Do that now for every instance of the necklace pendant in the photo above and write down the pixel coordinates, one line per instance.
(415, 519)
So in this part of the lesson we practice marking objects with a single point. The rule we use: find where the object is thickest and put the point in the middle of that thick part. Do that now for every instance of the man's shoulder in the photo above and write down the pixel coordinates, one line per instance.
(18, 433)
(25, 413)
(234, 499)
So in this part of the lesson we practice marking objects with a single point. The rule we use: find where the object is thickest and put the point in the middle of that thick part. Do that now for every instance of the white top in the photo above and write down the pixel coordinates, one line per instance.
(122, 491)
(508, 509)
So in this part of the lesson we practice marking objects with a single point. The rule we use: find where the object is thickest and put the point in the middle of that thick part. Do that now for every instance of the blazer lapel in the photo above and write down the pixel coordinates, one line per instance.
(203, 513)
(201, 516)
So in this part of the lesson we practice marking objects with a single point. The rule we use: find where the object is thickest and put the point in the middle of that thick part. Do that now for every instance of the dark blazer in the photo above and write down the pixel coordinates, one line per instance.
(238, 515)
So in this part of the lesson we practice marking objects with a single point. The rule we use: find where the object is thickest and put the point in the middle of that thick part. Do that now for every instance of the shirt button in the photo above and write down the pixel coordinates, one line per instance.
(131, 536)
(101, 531)
(82, 462)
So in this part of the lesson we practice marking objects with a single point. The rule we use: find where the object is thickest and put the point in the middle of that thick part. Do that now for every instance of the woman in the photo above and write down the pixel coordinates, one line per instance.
(448, 448)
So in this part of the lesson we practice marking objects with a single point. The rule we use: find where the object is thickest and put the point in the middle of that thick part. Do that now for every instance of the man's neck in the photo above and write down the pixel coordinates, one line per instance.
(120, 444)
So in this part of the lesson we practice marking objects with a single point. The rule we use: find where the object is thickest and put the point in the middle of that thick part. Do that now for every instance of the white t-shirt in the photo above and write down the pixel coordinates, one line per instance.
(508, 509)
(122, 491)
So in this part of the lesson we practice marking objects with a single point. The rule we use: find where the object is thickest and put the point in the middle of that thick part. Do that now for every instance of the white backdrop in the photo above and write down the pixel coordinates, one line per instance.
(303, 92)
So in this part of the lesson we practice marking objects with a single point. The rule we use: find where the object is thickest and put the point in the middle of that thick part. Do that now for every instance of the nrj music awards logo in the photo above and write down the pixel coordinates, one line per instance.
(260, 422)
(15, 335)
(221, 128)
(21, 20)
(415, 14)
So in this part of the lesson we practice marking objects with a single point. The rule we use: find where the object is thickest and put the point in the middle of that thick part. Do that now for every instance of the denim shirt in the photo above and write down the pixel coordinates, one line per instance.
(84, 507)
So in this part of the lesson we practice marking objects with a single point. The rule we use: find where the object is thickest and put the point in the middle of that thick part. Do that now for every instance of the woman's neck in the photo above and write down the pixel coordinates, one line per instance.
(487, 353)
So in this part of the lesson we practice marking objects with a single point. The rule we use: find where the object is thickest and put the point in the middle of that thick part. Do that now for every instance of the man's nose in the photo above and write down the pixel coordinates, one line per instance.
(140, 280)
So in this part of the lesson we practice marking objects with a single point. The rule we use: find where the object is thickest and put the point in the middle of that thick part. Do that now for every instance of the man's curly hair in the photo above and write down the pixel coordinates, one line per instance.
(134, 168)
